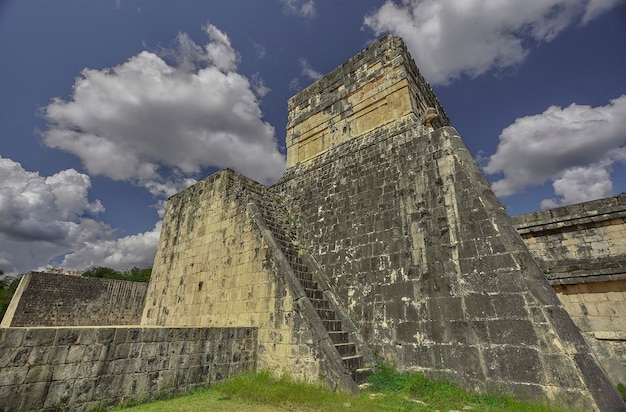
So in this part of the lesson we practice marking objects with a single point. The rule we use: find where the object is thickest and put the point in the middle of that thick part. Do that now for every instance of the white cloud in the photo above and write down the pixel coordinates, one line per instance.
(574, 147)
(597, 7)
(260, 50)
(448, 38)
(302, 8)
(33, 207)
(259, 85)
(43, 217)
(308, 71)
(123, 253)
(159, 125)
(294, 84)
(579, 184)
(146, 121)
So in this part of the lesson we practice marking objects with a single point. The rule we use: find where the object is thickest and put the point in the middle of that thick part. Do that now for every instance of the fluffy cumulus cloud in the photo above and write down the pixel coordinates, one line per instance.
(33, 207)
(43, 217)
(573, 147)
(302, 8)
(158, 124)
(156, 121)
(123, 253)
(448, 38)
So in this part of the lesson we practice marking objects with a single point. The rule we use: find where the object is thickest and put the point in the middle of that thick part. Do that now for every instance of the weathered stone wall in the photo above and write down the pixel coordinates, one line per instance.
(82, 368)
(213, 268)
(375, 87)
(46, 299)
(582, 249)
(599, 311)
(431, 268)
(579, 243)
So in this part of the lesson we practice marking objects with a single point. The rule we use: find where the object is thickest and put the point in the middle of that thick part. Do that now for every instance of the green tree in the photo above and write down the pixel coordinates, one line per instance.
(8, 285)
(135, 274)
(103, 272)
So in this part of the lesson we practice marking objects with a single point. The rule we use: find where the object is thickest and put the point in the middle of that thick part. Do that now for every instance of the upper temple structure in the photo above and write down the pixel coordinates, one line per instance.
(382, 242)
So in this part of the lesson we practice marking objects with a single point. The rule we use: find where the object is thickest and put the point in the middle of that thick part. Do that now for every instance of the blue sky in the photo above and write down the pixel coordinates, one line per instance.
(109, 107)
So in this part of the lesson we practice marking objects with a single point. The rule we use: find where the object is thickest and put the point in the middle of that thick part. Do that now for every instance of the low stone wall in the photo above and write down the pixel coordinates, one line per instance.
(48, 299)
(82, 368)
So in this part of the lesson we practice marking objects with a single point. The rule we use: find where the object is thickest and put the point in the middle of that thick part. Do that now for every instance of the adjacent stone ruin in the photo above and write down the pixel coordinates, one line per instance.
(582, 250)
(44, 299)
(381, 242)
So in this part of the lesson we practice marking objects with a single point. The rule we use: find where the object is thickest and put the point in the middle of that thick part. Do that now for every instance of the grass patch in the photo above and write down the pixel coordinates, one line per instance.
(388, 391)
(622, 391)
(443, 394)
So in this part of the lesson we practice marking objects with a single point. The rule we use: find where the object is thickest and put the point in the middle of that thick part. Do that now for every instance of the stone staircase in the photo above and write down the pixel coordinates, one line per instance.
(283, 228)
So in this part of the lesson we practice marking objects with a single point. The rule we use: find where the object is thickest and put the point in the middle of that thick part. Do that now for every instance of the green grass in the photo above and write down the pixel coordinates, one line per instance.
(622, 391)
(389, 391)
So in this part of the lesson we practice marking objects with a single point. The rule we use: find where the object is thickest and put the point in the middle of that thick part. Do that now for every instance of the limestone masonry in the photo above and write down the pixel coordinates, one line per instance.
(382, 241)
(60, 300)
(582, 250)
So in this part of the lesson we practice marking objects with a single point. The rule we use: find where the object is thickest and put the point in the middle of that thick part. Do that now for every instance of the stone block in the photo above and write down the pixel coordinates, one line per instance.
(565, 328)
(121, 336)
(509, 306)
(106, 388)
(39, 337)
(36, 398)
(59, 394)
(88, 336)
(75, 353)
(478, 306)
(38, 355)
(512, 332)
(66, 336)
(19, 356)
(65, 372)
(39, 373)
(106, 335)
(446, 308)
(463, 359)
(83, 391)
(513, 364)
(11, 338)
(13, 375)
(11, 397)
(57, 355)
(560, 376)
(598, 383)
(407, 331)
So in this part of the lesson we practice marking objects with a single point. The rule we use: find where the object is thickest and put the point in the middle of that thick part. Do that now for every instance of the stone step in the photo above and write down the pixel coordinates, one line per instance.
(339, 336)
(361, 375)
(332, 325)
(314, 293)
(320, 303)
(346, 349)
(352, 363)
(326, 314)
(307, 284)
(304, 276)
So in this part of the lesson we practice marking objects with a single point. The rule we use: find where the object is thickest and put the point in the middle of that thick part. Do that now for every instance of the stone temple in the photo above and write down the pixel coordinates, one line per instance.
(382, 242)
